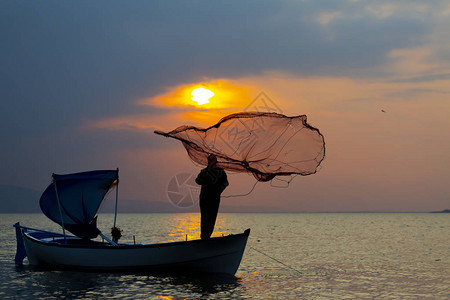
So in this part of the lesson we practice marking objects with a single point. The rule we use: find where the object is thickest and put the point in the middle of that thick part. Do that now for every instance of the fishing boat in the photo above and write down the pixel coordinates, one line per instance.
(73, 201)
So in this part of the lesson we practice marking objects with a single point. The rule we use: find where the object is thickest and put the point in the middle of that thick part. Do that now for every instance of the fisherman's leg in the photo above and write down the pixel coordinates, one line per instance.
(211, 216)
(207, 224)
(207, 218)
(214, 212)
(203, 219)
(209, 211)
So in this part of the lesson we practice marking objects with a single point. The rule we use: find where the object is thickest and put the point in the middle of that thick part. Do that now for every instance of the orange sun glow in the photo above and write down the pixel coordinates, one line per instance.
(204, 102)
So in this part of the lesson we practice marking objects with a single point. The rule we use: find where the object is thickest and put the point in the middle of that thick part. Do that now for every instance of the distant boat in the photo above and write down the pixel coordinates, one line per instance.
(73, 201)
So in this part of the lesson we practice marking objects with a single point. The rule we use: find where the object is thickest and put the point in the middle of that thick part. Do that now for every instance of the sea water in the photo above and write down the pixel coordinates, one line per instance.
(288, 256)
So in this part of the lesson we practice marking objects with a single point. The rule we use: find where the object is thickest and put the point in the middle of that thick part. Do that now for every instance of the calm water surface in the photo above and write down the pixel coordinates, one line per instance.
(288, 256)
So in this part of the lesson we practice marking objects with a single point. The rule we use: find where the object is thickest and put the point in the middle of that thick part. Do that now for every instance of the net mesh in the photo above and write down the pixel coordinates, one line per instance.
(264, 144)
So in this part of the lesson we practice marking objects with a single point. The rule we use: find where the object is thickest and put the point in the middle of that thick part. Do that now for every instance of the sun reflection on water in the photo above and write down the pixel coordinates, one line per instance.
(187, 227)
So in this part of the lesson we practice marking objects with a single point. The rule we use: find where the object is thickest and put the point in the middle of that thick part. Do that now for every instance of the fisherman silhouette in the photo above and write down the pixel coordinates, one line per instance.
(213, 181)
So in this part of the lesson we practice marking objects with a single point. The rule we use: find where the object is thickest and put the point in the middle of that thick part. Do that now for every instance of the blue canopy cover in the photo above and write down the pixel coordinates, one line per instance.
(80, 196)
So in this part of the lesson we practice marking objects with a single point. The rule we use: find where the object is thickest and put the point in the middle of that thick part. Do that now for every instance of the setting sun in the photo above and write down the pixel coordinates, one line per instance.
(204, 102)
(201, 95)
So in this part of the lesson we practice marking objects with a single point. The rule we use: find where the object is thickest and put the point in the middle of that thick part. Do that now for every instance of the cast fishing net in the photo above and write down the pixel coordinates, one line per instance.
(263, 144)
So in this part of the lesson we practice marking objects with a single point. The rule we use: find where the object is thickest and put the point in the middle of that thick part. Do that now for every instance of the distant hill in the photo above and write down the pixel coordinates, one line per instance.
(143, 206)
(15, 199)
(442, 211)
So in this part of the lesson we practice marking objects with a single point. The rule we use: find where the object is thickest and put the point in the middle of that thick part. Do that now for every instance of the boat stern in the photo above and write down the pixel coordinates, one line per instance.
(20, 251)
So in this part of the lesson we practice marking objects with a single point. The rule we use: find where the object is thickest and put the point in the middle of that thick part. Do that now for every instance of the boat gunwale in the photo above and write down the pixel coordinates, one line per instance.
(27, 235)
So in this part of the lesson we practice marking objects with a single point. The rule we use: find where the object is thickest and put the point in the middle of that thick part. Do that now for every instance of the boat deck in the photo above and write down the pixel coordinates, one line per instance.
(59, 239)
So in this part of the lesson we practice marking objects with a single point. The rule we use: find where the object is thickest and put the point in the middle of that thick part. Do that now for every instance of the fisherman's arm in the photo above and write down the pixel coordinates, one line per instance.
(200, 178)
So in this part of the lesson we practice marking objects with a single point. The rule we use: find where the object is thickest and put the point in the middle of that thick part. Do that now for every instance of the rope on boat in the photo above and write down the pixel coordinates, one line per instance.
(277, 260)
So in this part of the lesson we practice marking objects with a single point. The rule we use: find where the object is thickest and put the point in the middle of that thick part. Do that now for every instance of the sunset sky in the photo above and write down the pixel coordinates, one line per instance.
(85, 83)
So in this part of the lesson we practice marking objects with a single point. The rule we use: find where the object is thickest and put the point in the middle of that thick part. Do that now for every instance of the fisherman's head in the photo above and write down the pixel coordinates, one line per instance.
(212, 160)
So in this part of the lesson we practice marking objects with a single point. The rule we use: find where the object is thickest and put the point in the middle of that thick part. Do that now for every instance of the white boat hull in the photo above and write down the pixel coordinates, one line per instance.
(215, 255)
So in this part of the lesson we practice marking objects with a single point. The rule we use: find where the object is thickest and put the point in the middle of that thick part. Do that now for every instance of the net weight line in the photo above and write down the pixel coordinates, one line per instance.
(242, 195)
(287, 182)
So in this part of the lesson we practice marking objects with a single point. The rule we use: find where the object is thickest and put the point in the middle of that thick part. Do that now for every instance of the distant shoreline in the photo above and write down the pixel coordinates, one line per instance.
(445, 211)
(260, 212)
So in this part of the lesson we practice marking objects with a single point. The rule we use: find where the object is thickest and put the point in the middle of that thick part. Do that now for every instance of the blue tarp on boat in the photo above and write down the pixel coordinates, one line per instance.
(80, 196)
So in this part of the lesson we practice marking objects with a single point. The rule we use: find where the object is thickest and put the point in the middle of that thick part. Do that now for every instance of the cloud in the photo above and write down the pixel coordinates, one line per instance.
(425, 78)
(416, 93)
(71, 70)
